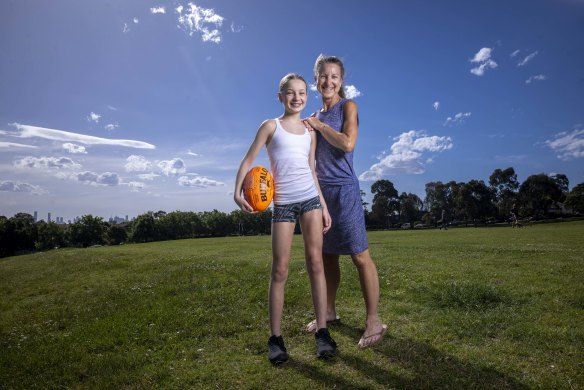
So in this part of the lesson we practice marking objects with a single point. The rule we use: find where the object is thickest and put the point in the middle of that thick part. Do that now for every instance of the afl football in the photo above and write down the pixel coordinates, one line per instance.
(258, 188)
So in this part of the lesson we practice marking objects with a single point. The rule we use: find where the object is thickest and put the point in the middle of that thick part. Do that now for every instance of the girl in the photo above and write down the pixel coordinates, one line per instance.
(291, 149)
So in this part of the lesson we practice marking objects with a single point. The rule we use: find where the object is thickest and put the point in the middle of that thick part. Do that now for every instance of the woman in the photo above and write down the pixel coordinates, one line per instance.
(336, 125)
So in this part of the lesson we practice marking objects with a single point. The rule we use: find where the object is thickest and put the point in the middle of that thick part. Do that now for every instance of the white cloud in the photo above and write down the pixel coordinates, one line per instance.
(192, 153)
(483, 58)
(106, 178)
(111, 126)
(27, 131)
(539, 77)
(198, 181)
(236, 29)
(136, 185)
(200, 20)
(135, 20)
(352, 92)
(436, 105)
(93, 117)
(568, 146)
(527, 59)
(175, 166)
(406, 155)
(312, 87)
(15, 186)
(74, 149)
(457, 119)
(46, 163)
(514, 54)
(126, 28)
(148, 176)
(158, 10)
(137, 164)
(12, 145)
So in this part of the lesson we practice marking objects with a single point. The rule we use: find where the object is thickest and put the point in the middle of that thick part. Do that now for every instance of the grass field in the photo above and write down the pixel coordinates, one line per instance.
(467, 308)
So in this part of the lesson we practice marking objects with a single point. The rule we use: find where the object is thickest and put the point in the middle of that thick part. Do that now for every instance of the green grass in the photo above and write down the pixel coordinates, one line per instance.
(484, 308)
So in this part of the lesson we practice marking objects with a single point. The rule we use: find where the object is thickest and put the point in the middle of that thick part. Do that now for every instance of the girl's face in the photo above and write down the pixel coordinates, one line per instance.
(294, 96)
(329, 81)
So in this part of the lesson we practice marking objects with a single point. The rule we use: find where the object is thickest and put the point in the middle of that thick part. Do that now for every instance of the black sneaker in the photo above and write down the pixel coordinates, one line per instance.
(326, 347)
(276, 350)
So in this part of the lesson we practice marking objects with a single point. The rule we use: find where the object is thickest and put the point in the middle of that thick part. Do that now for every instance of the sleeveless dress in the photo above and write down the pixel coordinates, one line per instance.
(340, 189)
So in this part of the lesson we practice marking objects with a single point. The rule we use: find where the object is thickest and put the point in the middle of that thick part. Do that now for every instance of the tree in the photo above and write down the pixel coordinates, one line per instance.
(475, 200)
(144, 228)
(117, 234)
(50, 236)
(410, 207)
(538, 192)
(385, 202)
(504, 185)
(18, 233)
(575, 199)
(88, 231)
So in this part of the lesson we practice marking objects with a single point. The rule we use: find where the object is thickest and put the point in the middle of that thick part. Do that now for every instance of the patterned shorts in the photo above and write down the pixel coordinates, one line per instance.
(290, 212)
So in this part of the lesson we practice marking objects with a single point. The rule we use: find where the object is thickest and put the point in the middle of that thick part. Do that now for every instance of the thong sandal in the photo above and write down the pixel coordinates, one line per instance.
(368, 341)
(311, 326)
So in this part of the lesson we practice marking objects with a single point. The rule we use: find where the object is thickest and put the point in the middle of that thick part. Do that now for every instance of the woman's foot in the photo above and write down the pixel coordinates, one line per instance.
(312, 326)
(373, 337)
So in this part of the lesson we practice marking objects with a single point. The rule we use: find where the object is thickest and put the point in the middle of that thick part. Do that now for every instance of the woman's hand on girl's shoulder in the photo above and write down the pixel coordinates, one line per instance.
(311, 123)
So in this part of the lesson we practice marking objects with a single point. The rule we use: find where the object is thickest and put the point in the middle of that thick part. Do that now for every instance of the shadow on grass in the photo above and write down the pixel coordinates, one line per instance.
(425, 367)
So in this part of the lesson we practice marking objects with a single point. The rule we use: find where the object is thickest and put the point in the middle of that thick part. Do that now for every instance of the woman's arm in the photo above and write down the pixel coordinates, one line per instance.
(262, 138)
(326, 217)
(346, 139)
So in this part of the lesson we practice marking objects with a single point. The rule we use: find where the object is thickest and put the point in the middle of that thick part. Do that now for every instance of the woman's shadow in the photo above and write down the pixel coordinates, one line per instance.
(426, 367)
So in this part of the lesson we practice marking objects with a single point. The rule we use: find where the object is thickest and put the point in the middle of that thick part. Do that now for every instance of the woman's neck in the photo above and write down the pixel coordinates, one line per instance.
(329, 102)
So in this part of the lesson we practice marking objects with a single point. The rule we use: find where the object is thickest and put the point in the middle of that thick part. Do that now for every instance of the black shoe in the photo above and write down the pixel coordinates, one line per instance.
(326, 347)
(276, 350)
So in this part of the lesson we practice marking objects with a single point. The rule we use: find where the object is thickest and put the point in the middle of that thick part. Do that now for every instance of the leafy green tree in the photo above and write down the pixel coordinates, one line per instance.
(218, 224)
(538, 192)
(88, 231)
(575, 198)
(504, 184)
(117, 234)
(19, 233)
(475, 200)
(144, 228)
(50, 236)
(411, 207)
(385, 203)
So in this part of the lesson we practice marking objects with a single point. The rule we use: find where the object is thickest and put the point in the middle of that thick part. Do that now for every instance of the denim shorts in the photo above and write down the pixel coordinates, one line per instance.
(290, 212)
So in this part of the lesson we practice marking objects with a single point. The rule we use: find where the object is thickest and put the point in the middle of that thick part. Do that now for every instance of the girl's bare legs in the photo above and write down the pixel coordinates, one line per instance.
(282, 233)
(311, 223)
(374, 328)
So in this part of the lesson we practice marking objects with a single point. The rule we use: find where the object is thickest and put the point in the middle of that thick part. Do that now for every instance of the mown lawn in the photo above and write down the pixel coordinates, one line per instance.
(468, 308)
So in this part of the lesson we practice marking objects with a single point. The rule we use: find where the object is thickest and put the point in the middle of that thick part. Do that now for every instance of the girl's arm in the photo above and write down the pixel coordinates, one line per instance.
(346, 139)
(326, 217)
(262, 138)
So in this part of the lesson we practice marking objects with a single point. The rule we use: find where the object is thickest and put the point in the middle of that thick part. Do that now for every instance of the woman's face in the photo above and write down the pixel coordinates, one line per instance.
(329, 80)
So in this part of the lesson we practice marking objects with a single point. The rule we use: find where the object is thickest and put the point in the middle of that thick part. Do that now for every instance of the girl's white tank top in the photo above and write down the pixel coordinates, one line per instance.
(288, 155)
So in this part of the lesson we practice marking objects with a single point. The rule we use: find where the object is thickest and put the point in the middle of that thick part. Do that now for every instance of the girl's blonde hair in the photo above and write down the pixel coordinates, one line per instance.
(287, 78)
(321, 60)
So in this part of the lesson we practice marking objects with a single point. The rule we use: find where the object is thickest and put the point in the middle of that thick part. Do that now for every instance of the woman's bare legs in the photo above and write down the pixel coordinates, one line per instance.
(374, 327)
(282, 233)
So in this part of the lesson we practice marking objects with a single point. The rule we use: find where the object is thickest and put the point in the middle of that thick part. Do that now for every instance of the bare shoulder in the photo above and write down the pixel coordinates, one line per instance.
(350, 105)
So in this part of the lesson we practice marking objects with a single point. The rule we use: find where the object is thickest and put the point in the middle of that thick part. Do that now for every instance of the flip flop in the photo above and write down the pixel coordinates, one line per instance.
(311, 326)
(372, 339)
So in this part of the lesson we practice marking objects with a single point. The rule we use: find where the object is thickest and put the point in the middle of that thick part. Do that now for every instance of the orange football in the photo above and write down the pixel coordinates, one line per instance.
(258, 188)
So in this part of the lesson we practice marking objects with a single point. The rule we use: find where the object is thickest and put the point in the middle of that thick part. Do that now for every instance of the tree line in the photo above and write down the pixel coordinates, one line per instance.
(474, 202)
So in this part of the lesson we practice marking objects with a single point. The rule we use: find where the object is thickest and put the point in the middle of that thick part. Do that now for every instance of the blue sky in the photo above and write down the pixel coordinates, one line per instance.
(118, 108)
